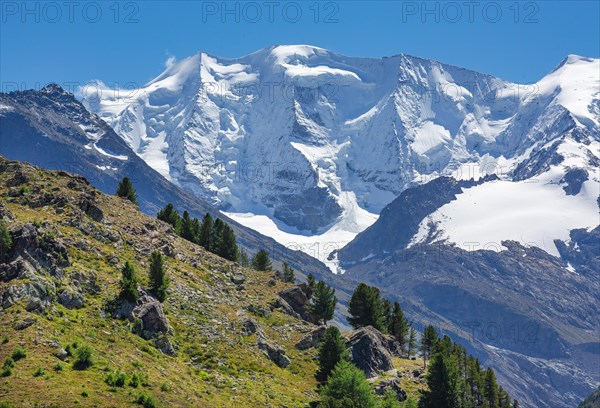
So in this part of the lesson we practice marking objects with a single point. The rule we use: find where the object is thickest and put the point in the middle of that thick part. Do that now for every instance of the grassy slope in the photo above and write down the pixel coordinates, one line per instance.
(215, 367)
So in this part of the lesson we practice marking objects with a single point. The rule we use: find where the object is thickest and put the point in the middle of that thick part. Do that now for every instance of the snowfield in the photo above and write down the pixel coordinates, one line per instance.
(533, 212)
(308, 146)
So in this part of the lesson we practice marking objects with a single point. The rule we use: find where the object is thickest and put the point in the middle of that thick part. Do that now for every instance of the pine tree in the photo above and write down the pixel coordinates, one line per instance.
(262, 262)
(159, 282)
(216, 236)
(399, 326)
(187, 228)
(347, 387)
(443, 381)
(5, 242)
(430, 336)
(365, 308)
(386, 310)
(126, 190)
(205, 231)
(503, 398)
(332, 350)
(515, 404)
(229, 249)
(195, 230)
(287, 275)
(322, 302)
(412, 342)
(170, 216)
(243, 257)
(311, 281)
(490, 389)
(128, 283)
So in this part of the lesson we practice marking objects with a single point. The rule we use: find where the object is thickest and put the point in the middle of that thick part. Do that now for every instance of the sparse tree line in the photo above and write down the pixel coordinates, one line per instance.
(212, 234)
(455, 378)
(157, 278)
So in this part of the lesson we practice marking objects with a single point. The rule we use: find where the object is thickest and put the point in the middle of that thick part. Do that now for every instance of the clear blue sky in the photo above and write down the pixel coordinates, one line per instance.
(120, 42)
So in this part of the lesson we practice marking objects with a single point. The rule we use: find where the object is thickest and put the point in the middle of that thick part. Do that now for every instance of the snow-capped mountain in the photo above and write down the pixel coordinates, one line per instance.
(308, 146)
(52, 129)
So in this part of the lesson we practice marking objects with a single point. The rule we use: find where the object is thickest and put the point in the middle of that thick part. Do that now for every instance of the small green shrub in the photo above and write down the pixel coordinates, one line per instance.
(164, 387)
(116, 379)
(84, 357)
(136, 380)
(84, 393)
(145, 400)
(137, 364)
(8, 363)
(58, 366)
(6, 372)
(39, 372)
(19, 353)
(5, 405)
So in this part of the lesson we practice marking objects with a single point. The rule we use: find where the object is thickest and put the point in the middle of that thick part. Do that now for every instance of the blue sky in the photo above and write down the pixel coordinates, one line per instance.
(121, 42)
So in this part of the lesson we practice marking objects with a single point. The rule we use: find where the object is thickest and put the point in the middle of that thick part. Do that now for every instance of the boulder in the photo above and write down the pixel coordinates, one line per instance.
(249, 327)
(71, 299)
(89, 207)
(150, 313)
(61, 354)
(163, 343)
(391, 384)
(37, 295)
(273, 352)
(238, 278)
(312, 339)
(369, 351)
(24, 323)
(294, 300)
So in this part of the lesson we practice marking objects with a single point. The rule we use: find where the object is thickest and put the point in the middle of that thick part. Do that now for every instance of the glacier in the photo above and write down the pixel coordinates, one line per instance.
(308, 146)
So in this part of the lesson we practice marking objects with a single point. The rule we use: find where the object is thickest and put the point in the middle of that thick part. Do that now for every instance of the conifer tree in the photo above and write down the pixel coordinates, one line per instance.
(311, 281)
(399, 326)
(332, 350)
(322, 302)
(195, 230)
(5, 242)
(430, 336)
(159, 281)
(262, 262)
(347, 387)
(229, 249)
(126, 190)
(170, 215)
(412, 342)
(205, 231)
(365, 308)
(216, 236)
(490, 389)
(243, 257)
(443, 381)
(128, 283)
(386, 310)
(187, 228)
(287, 275)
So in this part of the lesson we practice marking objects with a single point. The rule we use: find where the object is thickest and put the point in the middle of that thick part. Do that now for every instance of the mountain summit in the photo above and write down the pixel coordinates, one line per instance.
(315, 144)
